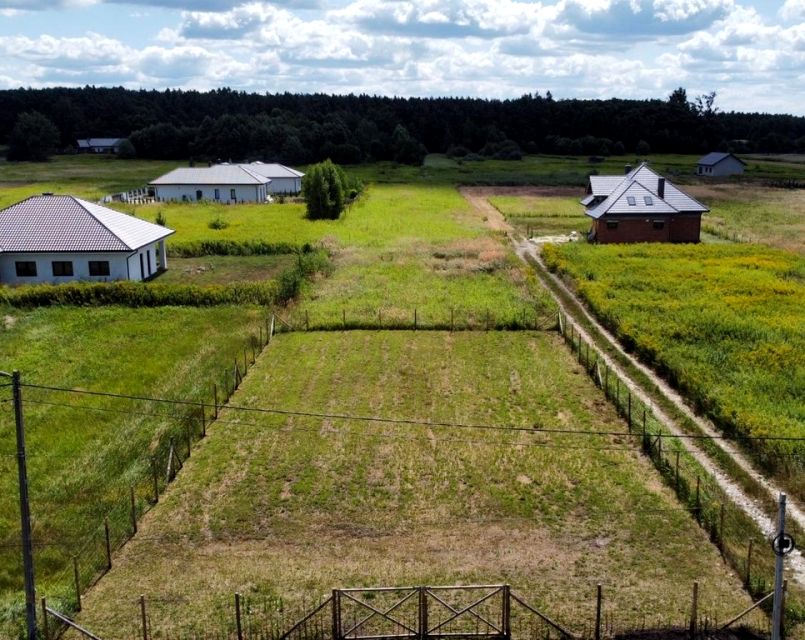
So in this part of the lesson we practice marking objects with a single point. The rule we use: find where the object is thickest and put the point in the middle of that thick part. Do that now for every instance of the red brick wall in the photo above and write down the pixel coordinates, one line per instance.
(639, 229)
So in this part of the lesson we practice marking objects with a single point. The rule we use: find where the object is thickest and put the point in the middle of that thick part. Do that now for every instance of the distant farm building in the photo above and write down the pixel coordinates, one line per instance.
(228, 183)
(99, 145)
(719, 165)
(641, 206)
(55, 239)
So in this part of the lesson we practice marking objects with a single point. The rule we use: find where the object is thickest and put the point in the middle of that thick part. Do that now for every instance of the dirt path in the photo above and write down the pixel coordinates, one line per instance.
(478, 198)
(795, 562)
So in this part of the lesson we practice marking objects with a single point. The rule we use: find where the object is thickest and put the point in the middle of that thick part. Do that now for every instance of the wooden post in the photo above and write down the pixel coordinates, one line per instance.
(143, 617)
(676, 475)
(334, 609)
(694, 610)
(45, 633)
(155, 478)
(698, 501)
(415, 319)
(579, 348)
(133, 511)
(749, 566)
(77, 583)
(203, 422)
(598, 613)
(108, 544)
(237, 617)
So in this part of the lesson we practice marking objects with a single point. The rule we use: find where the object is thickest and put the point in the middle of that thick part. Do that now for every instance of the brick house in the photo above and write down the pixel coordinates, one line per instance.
(641, 206)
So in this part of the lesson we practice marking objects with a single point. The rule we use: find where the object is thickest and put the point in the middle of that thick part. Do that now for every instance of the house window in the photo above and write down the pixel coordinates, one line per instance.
(630, 199)
(612, 224)
(99, 267)
(233, 194)
(658, 224)
(62, 267)
(217, 194)
(648, 200)
(26, 269)
(199, 194)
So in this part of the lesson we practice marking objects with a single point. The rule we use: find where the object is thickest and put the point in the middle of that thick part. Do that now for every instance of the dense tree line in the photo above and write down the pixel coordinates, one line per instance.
(291, 128)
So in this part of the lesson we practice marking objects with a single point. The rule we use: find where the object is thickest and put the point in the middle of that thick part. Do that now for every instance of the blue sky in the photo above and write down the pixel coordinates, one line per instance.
(751, 52)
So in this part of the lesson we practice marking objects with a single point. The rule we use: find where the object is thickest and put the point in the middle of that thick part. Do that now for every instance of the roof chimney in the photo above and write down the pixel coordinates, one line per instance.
(627, 169)
(661, 188)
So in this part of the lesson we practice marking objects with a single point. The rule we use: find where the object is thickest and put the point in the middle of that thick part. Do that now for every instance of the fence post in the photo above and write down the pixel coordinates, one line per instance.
(155, 478)
(423, 614)
(676, 475)
(45, 633)
(77, 583)
(380, 318)
(749, 566)
(108, 544)
(203, 422)
(237, 617)
(598, 612)
(143, 617)
(133, 511)
(344, 317)
(694, 610)
(507, 619)
(335, 609)
(782, 609)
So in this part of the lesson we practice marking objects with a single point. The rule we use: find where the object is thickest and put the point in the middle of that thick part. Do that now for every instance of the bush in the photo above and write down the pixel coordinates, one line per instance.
(232, 248)
(323, 188)
(217, 223)
(161, 220)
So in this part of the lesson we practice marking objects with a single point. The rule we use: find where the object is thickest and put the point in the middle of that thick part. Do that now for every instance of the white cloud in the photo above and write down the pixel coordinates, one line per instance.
(793, 10)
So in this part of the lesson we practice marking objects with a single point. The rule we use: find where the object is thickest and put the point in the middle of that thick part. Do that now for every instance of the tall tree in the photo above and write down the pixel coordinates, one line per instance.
(34, 137)
(323, 188)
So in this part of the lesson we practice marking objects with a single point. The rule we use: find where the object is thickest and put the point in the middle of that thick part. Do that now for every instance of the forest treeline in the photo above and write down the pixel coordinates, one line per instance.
(225, 124)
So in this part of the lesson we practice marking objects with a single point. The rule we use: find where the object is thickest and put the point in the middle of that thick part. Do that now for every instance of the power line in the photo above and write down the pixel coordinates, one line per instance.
(398, 421)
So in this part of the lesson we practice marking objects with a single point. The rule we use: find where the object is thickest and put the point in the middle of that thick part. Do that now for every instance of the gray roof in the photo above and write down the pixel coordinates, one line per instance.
(223, 174)
(66, 223)
(85, 143)
(271, 170)
(641, 186)
(715, 157)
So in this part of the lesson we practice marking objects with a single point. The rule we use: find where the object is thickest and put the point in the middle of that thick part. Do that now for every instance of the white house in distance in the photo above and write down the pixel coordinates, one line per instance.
(55, 239)
(228, 183)
(717, 165)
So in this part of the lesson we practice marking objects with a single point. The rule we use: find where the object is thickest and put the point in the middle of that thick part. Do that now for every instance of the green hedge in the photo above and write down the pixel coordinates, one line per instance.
(233, 248)
(137, 294)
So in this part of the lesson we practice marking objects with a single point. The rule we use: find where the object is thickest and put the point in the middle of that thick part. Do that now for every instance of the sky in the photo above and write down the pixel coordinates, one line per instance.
(750, 52)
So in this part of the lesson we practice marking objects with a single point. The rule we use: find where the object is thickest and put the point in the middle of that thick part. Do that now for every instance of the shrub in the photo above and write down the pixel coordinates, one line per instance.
(218, 223)
(324, 187)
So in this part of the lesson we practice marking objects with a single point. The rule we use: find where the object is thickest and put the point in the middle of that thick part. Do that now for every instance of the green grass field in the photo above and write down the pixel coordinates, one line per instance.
(726, 323)
(288, 506)
(543, 215)
(208, 270)
(81, 462)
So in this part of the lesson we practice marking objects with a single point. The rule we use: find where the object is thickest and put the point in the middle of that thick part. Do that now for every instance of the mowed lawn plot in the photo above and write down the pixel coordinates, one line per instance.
(85, 451)
(725, 322)
(288, 506)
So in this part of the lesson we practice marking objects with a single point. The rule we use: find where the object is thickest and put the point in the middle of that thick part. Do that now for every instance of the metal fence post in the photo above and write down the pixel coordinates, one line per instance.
(598, 612)
(237, 617)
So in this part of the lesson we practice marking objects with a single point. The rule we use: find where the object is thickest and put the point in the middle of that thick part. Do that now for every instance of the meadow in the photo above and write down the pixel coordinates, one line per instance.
(544, 214)
(724, 323)
(84, 451)
(286, 507)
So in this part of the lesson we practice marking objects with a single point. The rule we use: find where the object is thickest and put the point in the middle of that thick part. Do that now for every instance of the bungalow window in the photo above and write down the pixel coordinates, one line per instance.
(658, 224)
(62, 267)
(612, 224)
(648, 200)
(25, 269)
(233, 194)
(217, 194)
(631, 200)
(99, 267)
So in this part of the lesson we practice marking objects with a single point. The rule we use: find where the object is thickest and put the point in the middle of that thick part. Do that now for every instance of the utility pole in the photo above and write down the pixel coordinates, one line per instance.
(779, 551)
(25, 510)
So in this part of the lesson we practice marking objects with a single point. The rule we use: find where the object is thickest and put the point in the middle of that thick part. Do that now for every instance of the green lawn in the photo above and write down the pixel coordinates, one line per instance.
(726, 323)
(208, 270)
(290, 507)
(82, 461)
(543, 215)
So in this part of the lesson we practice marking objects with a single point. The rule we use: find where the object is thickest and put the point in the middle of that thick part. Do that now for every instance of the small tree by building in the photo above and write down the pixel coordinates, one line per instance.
(34, 137)
(126, 150)
(324, 190)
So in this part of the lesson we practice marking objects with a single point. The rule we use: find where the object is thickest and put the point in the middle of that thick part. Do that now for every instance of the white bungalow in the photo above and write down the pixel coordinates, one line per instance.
(55, 239)
(98, 145)
(717, 165)
(227, 183)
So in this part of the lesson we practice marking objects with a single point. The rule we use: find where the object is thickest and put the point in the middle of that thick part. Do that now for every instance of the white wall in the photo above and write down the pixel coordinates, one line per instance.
(244, 193)
(727, 167)
(285, 185)
(123, 265)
